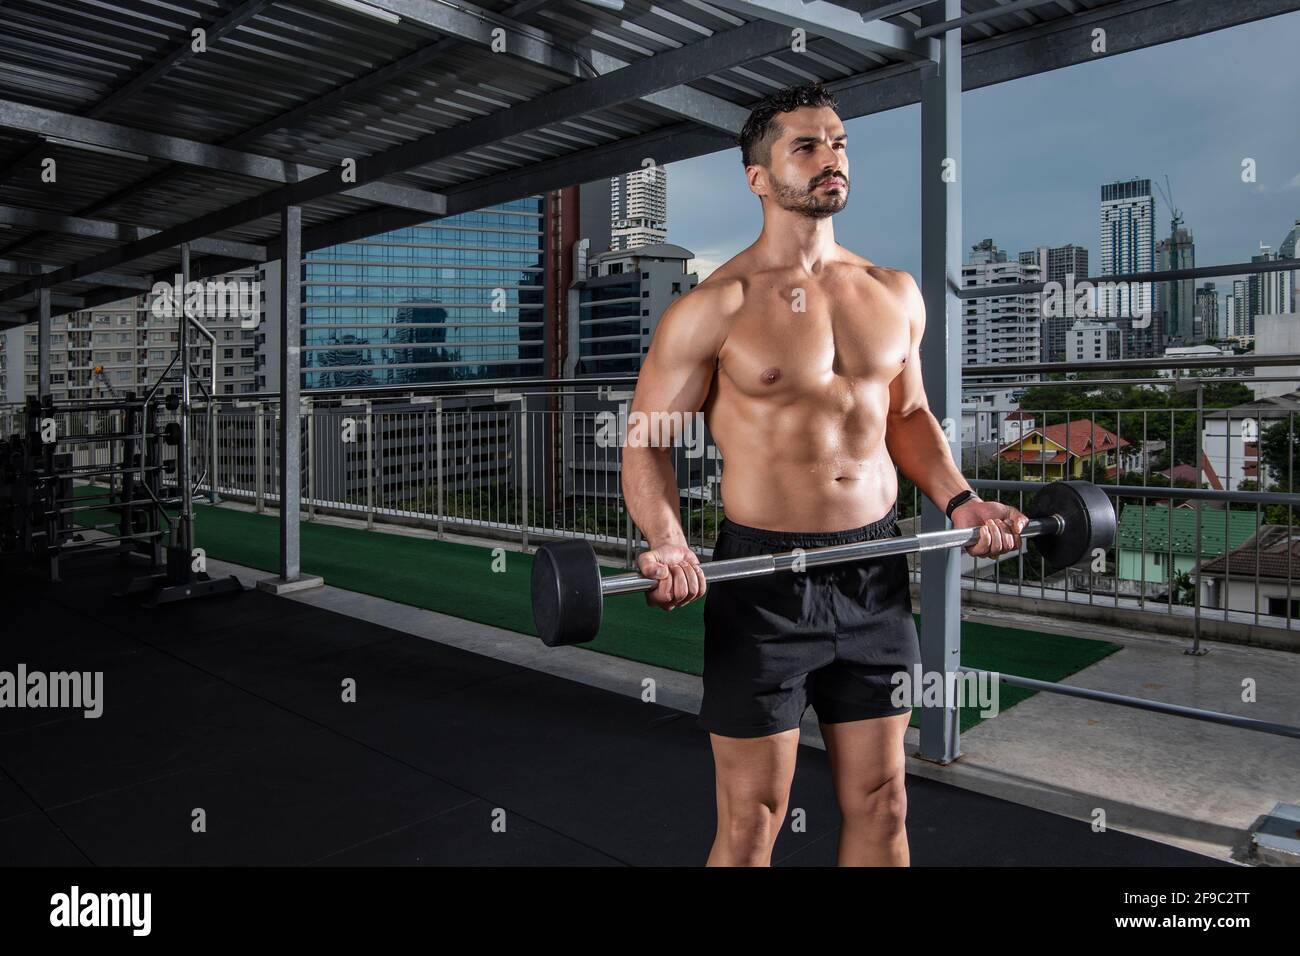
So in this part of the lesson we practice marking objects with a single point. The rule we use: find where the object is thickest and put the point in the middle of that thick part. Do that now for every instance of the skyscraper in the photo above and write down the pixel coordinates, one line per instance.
(1174, 300)
(1207, 311)
(1235, 307)
(1065, 265)
(1287, 250)
(1268, 293)
(999, 330)
(1127, 245)
(638, 208)
(449, 300)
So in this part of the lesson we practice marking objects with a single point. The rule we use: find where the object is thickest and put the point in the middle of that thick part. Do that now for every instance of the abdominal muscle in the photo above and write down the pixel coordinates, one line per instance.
(831, 493)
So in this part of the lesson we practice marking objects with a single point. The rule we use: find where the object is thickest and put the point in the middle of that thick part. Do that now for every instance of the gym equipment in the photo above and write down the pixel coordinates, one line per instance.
(1069, 520)
(180, 580)
(45, 489)
(46, 483)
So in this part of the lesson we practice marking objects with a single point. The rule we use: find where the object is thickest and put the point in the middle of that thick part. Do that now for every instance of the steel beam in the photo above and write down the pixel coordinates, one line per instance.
(1053, 45)
(58, 303)
(206, 267)
(179, 54)
(473, 24)
(183, 52)
(112, 231)
(983, 16)
(19, 267)
(653, 74)
(665, 145)
(40, 121)
(702, 108)
(1130, 24)
(862, 32)
(690, 104)
(893, 9)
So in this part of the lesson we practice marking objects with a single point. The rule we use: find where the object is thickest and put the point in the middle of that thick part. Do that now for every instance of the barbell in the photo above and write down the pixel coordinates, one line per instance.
(1069, 521)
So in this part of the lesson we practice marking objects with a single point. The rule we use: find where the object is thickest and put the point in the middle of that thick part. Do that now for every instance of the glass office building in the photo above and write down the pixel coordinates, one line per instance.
(455, 299)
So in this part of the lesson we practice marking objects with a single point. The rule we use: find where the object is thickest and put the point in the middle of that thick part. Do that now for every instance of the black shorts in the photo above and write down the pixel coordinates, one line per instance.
(831, 636)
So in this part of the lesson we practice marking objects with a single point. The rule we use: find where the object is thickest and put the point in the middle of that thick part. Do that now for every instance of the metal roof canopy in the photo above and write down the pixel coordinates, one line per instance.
(451, 108)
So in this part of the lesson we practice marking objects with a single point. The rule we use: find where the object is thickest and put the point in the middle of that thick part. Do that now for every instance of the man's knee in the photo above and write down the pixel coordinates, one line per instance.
(749, 825)
(883, 806)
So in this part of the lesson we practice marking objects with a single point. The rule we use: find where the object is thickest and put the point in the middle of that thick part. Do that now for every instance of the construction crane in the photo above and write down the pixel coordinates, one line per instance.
(1172, 288)
(1175, 214)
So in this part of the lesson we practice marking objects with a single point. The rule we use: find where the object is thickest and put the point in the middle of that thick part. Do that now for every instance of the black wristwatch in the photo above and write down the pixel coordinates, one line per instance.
(960, 499)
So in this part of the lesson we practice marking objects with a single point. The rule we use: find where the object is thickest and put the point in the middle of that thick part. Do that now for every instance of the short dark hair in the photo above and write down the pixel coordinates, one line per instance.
(762, 128)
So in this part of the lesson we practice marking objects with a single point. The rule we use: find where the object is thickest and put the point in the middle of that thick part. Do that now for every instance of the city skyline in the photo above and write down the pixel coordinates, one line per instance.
(1214, 119)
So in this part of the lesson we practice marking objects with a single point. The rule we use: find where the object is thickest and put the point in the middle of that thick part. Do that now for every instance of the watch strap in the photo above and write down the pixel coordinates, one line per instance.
(958, 500)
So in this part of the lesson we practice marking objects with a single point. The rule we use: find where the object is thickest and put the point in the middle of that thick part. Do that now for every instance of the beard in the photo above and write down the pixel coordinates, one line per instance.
(810, 201)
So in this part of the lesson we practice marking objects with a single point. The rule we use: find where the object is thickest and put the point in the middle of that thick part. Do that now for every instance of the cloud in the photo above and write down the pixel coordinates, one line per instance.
(704, 265)
(1032, 172)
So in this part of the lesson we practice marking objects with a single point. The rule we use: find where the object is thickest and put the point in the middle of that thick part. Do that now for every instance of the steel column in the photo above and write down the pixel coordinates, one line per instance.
(941, 175)
(213, 411)
(43, 342)
(186, 529)
(290, 389)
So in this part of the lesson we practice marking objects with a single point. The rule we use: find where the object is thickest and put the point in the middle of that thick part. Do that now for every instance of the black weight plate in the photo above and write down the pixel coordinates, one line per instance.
(567, 600)
(1089, 522)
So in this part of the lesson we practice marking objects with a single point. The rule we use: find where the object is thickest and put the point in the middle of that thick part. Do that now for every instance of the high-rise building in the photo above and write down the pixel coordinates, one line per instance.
(638, 208)
(1207, 311)
(1268, 293)
(1128, 245)
(1235, 310)
(614, 306)
(1175, 300)
(999, 330)
(126, 346)
(617, 303)
(1067, 266)
(11, 346)
(453, 299)
(1288, 250)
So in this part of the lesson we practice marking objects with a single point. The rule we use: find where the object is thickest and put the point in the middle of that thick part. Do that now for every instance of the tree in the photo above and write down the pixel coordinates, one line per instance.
(1279, 450)
(1153, 414)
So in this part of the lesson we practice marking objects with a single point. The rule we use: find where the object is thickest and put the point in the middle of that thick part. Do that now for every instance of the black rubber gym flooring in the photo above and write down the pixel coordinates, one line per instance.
(232, 706)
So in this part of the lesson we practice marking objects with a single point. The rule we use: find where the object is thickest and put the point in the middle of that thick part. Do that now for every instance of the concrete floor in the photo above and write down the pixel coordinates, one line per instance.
(1187, 783)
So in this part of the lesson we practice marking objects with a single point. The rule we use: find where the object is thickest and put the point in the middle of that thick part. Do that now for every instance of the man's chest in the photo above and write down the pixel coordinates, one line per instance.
(790, 340)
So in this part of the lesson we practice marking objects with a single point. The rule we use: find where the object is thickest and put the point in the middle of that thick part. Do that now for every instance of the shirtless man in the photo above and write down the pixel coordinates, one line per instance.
(804, 359)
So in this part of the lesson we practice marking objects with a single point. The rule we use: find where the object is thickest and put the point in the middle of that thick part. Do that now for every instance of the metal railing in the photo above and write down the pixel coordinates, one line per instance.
(535, 463)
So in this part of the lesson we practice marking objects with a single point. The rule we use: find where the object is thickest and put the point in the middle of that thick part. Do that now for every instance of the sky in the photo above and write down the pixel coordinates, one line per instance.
(1038, 149)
